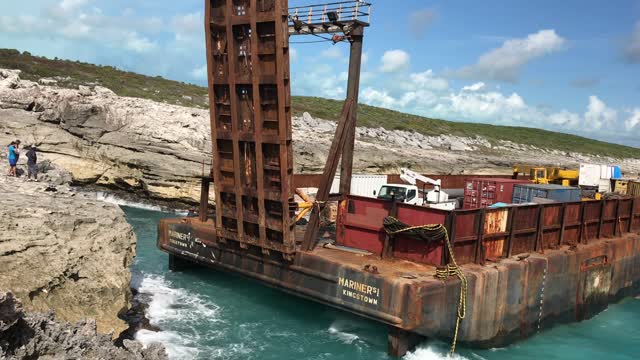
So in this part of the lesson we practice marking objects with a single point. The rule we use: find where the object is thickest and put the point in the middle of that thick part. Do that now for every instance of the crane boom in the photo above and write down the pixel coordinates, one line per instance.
(413, 177)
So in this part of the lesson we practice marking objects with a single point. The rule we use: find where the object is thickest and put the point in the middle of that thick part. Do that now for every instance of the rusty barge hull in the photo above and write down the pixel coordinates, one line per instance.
(509, 299)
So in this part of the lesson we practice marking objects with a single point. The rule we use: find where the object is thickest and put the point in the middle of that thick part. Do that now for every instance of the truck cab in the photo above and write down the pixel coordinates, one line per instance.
(407, 194)
(410, 194)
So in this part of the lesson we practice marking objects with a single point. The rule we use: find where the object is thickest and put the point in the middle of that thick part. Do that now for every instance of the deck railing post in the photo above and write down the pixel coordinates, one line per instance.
(631, 215)
(512, 230)
(563, 220)
(479, 258)
(601, 220)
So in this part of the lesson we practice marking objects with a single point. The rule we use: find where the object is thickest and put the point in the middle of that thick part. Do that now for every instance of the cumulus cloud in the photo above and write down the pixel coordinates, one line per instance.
(565, 119)
(475, 87)
(598, 114)
(633, 120)
(428, 80)
(395, 61)
(420, 21)
(505, 62)
(632, 47)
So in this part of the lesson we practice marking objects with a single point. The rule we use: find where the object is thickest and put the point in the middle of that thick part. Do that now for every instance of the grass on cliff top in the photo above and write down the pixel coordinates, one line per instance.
(74, 73)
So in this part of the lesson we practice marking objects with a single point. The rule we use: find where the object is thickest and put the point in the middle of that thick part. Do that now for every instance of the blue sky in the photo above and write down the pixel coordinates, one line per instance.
(572, 66)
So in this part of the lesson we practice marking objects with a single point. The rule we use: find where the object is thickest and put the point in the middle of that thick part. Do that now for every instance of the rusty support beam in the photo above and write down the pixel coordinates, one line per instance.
(616, 225)
(204, 199)
(353, 88)
(538, 244)
(401, 341)
(512, 228)
(480, 253)
(583, 227)
(563, 220)
(631, 214)
(451, 231)
(601, 219)
(328, 174)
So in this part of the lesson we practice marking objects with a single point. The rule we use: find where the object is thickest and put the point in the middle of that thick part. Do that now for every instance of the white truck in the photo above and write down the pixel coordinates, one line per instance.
(410, 194)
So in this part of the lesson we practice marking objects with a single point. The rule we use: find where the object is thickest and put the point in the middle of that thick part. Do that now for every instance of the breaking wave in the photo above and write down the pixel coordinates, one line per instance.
(181, 314)
(431, 352)
(113, 199)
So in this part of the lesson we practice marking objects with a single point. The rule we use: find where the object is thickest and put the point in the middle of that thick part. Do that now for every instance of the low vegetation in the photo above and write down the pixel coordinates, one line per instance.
(73, 73)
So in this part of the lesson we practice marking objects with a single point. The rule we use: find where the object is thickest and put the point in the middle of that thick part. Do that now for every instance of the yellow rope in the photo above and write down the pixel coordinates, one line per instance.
(451, 269)
(443, 274)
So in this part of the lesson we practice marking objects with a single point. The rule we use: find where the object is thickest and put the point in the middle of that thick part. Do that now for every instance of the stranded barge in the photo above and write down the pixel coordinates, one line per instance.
(520, 269)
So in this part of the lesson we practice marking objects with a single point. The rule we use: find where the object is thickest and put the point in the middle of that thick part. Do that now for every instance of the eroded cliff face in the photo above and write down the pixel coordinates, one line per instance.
(65, 251)
(157, 151)
(152, 149)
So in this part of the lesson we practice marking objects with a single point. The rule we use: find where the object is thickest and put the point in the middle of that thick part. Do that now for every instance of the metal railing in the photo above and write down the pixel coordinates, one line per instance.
(345, 11)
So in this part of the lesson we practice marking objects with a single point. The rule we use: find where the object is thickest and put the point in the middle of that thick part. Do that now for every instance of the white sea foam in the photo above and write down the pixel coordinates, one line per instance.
(113, 199)
(177, 311)
(429, 352)
(343, 336)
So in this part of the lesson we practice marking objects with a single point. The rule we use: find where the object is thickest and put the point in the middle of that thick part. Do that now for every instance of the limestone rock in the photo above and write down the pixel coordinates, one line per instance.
(41, 335)
(65, 251)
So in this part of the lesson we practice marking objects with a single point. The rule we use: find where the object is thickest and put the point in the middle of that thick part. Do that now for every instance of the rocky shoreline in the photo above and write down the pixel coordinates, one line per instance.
(41, 336)
(156, 151)
(63, 252)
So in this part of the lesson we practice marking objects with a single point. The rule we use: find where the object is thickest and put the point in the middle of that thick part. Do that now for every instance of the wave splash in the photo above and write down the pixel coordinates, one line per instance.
(182, 315)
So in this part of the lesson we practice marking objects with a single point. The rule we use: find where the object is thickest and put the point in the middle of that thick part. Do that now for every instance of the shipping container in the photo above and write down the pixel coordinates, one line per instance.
(483, 192)
(361, 184)
(620, 186)
(589, 175)
(525, 193)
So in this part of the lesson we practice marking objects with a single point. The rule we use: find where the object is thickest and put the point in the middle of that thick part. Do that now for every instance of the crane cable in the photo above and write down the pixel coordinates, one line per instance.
(432, 232)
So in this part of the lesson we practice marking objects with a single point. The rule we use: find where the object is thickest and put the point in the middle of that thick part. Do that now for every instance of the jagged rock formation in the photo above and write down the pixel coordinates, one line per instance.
(154, 149)
(65, 251)
(157, 151)
(40, 336)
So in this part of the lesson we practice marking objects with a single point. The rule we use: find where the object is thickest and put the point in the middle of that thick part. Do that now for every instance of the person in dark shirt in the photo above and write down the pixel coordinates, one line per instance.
(32, 164)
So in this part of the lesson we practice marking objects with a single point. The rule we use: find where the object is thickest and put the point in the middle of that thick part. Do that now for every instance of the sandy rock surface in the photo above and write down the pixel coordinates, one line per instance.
(157, 151)
(42, 336)
(65, 251)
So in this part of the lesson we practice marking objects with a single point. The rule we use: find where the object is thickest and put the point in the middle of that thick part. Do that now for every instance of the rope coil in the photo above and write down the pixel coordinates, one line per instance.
(432, 233)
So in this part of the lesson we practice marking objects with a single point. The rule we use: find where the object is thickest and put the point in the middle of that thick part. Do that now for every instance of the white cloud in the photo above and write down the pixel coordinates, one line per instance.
(139, 44)
(633, 120)
(199, 73)
(333, 52)
(598, 114)
(70, 5)
(632, 48)
(565, 119)
(474, 87)
(293, 55)
(395, 61)
(505, 62)
(427, 80)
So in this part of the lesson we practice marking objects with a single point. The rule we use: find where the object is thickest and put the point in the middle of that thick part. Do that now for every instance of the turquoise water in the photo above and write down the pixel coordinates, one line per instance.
(211, 315)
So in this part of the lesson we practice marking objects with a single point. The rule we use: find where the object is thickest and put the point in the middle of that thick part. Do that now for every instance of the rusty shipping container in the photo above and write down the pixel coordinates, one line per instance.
(483, 192)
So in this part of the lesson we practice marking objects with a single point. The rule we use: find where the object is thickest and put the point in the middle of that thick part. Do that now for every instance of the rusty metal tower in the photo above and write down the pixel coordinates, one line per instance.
(250, 97)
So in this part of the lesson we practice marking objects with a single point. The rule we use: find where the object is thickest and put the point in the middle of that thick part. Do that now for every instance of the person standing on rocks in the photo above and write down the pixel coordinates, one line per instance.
(14, 153)
(32, 164)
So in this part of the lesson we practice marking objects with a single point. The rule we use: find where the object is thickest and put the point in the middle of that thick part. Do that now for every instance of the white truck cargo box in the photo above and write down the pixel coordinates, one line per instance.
(589, 175)
(361, 184)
